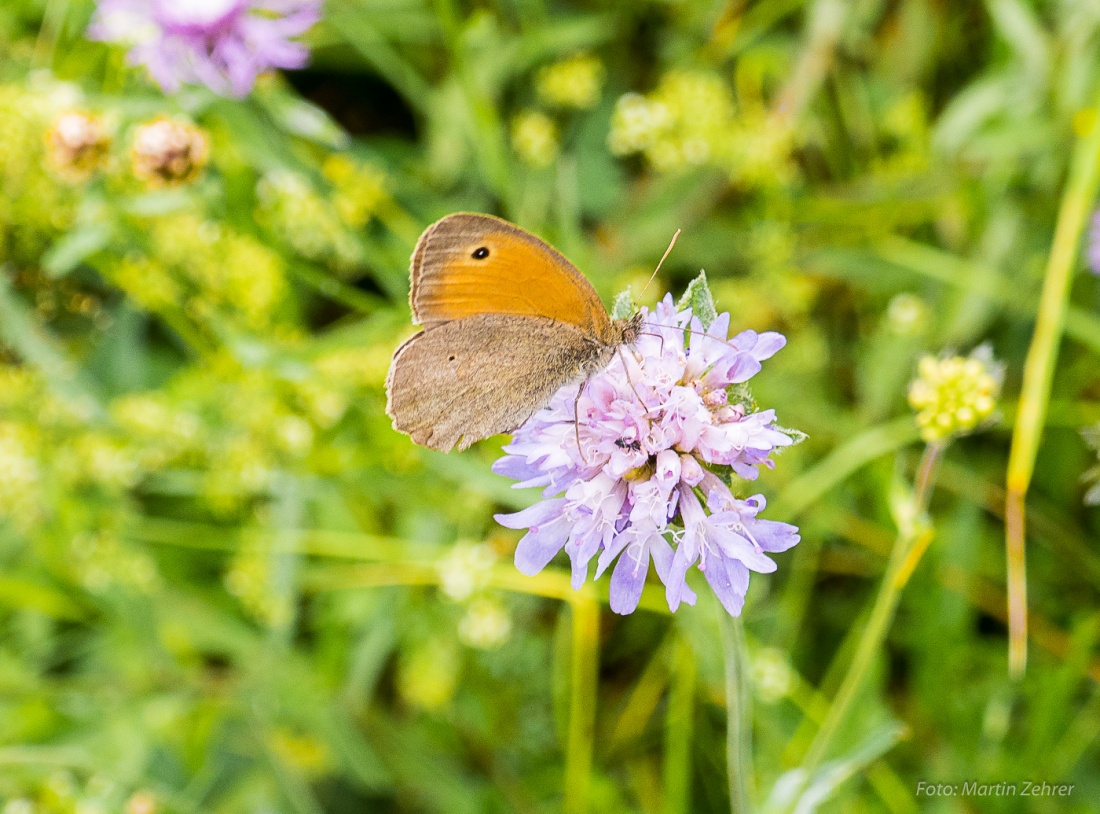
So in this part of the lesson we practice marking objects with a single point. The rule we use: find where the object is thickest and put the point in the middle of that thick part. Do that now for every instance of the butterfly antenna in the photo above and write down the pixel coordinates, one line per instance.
(693, 333)
(664, 257)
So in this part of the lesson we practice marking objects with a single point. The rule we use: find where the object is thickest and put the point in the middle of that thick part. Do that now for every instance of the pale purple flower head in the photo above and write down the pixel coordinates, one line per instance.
(647, 486)
(223, 44)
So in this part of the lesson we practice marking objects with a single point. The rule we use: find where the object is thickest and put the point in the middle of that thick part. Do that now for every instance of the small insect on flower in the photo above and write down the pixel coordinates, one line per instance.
(223, 44)
(635, 475)
(168, 153)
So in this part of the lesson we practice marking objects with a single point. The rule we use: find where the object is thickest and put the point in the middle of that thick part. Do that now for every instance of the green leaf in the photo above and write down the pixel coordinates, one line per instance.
(71, 250)
(300, 118)
(797, 793)
(698, 298)
(624, 306)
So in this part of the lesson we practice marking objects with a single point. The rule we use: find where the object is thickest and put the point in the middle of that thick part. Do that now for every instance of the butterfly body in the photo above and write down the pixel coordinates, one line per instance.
(507, 320)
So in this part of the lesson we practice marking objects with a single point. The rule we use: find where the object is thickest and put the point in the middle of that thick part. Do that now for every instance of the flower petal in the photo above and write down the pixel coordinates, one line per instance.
(767, 344)
(538, 548)
(628, 579)
(774, 536)
(532, 516)
(729, 580)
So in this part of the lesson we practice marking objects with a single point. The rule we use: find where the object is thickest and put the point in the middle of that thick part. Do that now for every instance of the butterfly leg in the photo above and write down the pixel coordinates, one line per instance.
(659, 336)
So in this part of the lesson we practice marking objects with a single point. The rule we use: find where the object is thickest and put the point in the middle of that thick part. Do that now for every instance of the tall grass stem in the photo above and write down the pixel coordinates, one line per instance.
(582, 706)
(1042, 356)
(738, 713)
(910, 536)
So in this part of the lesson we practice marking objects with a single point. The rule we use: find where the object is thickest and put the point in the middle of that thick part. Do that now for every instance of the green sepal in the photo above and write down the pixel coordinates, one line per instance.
(624, 306)
(796, 436)
(741, 394)
(698, 298)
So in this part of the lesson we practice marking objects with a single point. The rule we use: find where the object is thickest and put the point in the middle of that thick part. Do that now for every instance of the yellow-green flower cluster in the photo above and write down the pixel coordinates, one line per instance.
(309, 224)
(358, 190)
(465, 570)
(573, 82)
(207, 267)
(36, 206)
(66, 792)
(907, 314)
(684, 122)
(691, 120)
(464, 577)
(772, 676)
(250, 578)
(101, 561)
(237, 427)
(535, 138)
(906, 126)
(19, 472)
(428, 673)
(162, 433)
(97, 457)
(308, 754)
(954, 395)
(486, 624)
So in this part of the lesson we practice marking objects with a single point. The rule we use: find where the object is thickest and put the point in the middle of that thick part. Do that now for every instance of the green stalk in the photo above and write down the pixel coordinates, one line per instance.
(824, 22)
(882, 612)
(679, 727)
(53, 22)
(1039, 374)
(811, 486)
(582, 704)
(738, 713)
(336, 290)
(488, 129)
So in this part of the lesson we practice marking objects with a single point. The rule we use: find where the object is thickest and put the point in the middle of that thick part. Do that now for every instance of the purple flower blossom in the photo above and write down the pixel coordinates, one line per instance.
(642, 485)
(223, 44)
(1093, 249)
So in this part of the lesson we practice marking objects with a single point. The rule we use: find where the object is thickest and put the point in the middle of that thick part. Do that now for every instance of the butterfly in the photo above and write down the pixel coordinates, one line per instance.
(508, 321)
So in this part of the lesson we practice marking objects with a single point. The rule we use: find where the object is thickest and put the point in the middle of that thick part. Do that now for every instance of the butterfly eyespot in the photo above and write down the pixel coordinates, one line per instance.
(480, 253)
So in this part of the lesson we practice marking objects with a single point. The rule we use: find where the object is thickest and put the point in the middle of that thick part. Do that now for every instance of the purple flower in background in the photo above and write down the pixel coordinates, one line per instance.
(223, 44)
(645, 487)
(1093, 250)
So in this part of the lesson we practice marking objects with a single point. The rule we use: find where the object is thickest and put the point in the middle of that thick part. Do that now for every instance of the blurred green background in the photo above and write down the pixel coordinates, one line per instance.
(227, 585)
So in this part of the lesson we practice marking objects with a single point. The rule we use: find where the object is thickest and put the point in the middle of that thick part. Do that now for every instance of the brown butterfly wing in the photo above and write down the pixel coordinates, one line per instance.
(467, 264)
(462, 381)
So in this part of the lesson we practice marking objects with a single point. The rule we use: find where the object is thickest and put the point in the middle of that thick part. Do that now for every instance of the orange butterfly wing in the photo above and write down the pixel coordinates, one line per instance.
(467, 264)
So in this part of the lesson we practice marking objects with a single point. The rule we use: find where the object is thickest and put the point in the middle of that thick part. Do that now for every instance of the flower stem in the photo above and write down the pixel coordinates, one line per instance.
(582, 705)
(738, 713)
(911, 538)
(679, 725)
(1084, 176)
(825, 21)
(53, 23)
